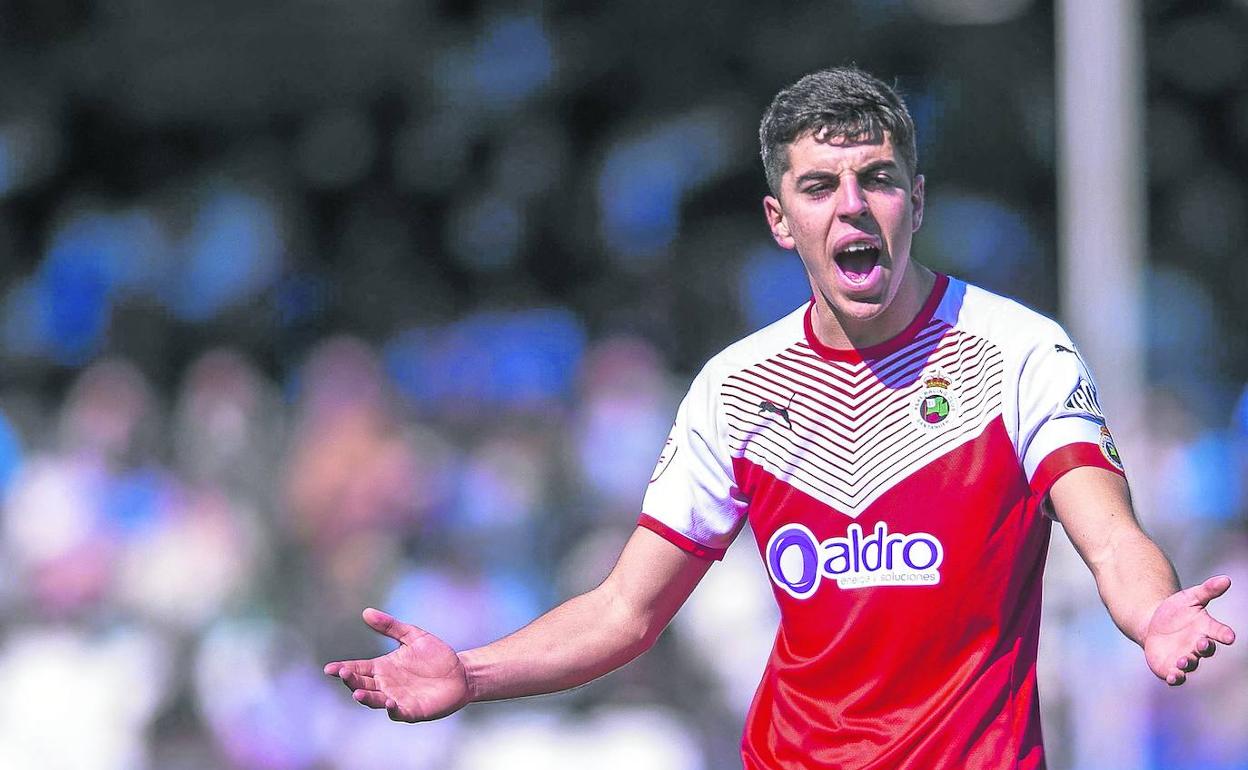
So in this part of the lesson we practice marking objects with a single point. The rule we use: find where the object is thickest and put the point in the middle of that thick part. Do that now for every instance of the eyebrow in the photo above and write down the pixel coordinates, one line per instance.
(873, 166)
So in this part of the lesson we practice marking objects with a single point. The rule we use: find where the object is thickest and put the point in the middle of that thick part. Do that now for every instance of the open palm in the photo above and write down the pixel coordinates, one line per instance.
(1182, 631)
(419, 680)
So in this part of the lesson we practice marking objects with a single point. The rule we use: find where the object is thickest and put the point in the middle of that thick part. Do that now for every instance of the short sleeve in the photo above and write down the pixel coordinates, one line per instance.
(1061, 425)
(693, 499)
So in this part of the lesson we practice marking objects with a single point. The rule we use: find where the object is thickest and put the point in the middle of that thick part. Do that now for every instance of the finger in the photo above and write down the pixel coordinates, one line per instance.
(1187, 664)
(371, 698)
(395, 713)
(1220, 632)
(359, 681)
(1206, 648)
(356, 666)
(388, 625)
(1176, 678)
(1210, 589)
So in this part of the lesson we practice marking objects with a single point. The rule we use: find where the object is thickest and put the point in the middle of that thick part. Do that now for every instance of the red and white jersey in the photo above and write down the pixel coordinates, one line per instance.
(896, 496)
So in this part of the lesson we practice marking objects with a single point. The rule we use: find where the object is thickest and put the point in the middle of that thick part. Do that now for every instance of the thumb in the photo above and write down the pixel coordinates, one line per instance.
(388, 625)
(1210, 589)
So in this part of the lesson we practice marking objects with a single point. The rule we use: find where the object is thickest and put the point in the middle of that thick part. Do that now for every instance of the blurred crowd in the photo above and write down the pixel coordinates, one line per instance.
(176, 569)
(312, 307)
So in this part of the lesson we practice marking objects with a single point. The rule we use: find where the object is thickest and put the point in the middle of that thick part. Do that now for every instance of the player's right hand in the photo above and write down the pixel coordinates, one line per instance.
(420, 680)
(1182, 631)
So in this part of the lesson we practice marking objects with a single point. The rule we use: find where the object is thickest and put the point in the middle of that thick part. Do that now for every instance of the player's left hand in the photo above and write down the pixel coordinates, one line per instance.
(1182, 631)
(421, 679)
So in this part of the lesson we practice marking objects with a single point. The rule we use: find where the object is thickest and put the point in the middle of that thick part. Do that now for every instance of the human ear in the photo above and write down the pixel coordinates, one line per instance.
(777, 222)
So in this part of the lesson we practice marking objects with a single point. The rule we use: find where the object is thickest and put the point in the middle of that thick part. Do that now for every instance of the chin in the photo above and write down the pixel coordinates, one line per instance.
(861, 308)
(865, 311)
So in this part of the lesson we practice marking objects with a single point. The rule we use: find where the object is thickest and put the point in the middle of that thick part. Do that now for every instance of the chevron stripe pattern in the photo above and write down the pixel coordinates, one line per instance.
(844, 433)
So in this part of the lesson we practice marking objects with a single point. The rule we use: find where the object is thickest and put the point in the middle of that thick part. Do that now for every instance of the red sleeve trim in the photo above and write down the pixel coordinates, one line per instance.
(1061, 461)
(680, 541)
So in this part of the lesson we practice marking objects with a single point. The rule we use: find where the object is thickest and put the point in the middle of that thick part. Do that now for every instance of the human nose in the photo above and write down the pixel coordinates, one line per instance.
(853, 203)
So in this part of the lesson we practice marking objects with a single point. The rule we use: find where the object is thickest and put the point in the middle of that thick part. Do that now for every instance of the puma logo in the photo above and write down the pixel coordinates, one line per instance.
(782, 412)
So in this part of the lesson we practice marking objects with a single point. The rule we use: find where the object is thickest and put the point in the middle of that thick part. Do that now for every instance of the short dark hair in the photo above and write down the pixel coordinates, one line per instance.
(842, 102)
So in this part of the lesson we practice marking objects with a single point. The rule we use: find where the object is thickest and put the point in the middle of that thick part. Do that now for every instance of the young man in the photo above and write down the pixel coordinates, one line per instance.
(900, 446)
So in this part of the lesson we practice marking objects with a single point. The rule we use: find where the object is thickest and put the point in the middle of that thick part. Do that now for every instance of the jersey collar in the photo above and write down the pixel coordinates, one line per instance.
(855, 355)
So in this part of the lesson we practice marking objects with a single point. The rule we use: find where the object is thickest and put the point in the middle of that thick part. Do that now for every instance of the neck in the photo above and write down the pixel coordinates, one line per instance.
(838, 331)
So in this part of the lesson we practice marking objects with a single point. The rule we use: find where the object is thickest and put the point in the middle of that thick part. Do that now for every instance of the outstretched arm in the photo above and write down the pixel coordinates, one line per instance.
(580, 640)
(1135, 579)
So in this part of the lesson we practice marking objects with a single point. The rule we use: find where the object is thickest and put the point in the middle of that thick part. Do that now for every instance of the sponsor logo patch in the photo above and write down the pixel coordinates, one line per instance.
(1083, 401)
(798, 562)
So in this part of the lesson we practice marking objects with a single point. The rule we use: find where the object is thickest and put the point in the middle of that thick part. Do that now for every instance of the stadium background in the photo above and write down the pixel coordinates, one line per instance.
(308, 306)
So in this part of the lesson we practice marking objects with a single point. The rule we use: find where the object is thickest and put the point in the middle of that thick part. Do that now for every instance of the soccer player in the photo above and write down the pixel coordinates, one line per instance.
(900, 446)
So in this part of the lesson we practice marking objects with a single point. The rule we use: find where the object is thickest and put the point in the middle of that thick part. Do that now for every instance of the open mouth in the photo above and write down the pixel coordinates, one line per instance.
(857, 260)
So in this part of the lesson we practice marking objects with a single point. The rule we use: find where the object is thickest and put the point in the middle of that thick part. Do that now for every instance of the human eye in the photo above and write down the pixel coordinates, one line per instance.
(819, 188)
(880, 179)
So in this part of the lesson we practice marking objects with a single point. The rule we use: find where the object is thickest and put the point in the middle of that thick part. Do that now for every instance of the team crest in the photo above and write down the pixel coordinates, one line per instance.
(1109, 449)
(936, 405)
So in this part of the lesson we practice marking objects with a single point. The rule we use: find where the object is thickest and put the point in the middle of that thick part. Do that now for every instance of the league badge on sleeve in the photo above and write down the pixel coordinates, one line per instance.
(1109, 449)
